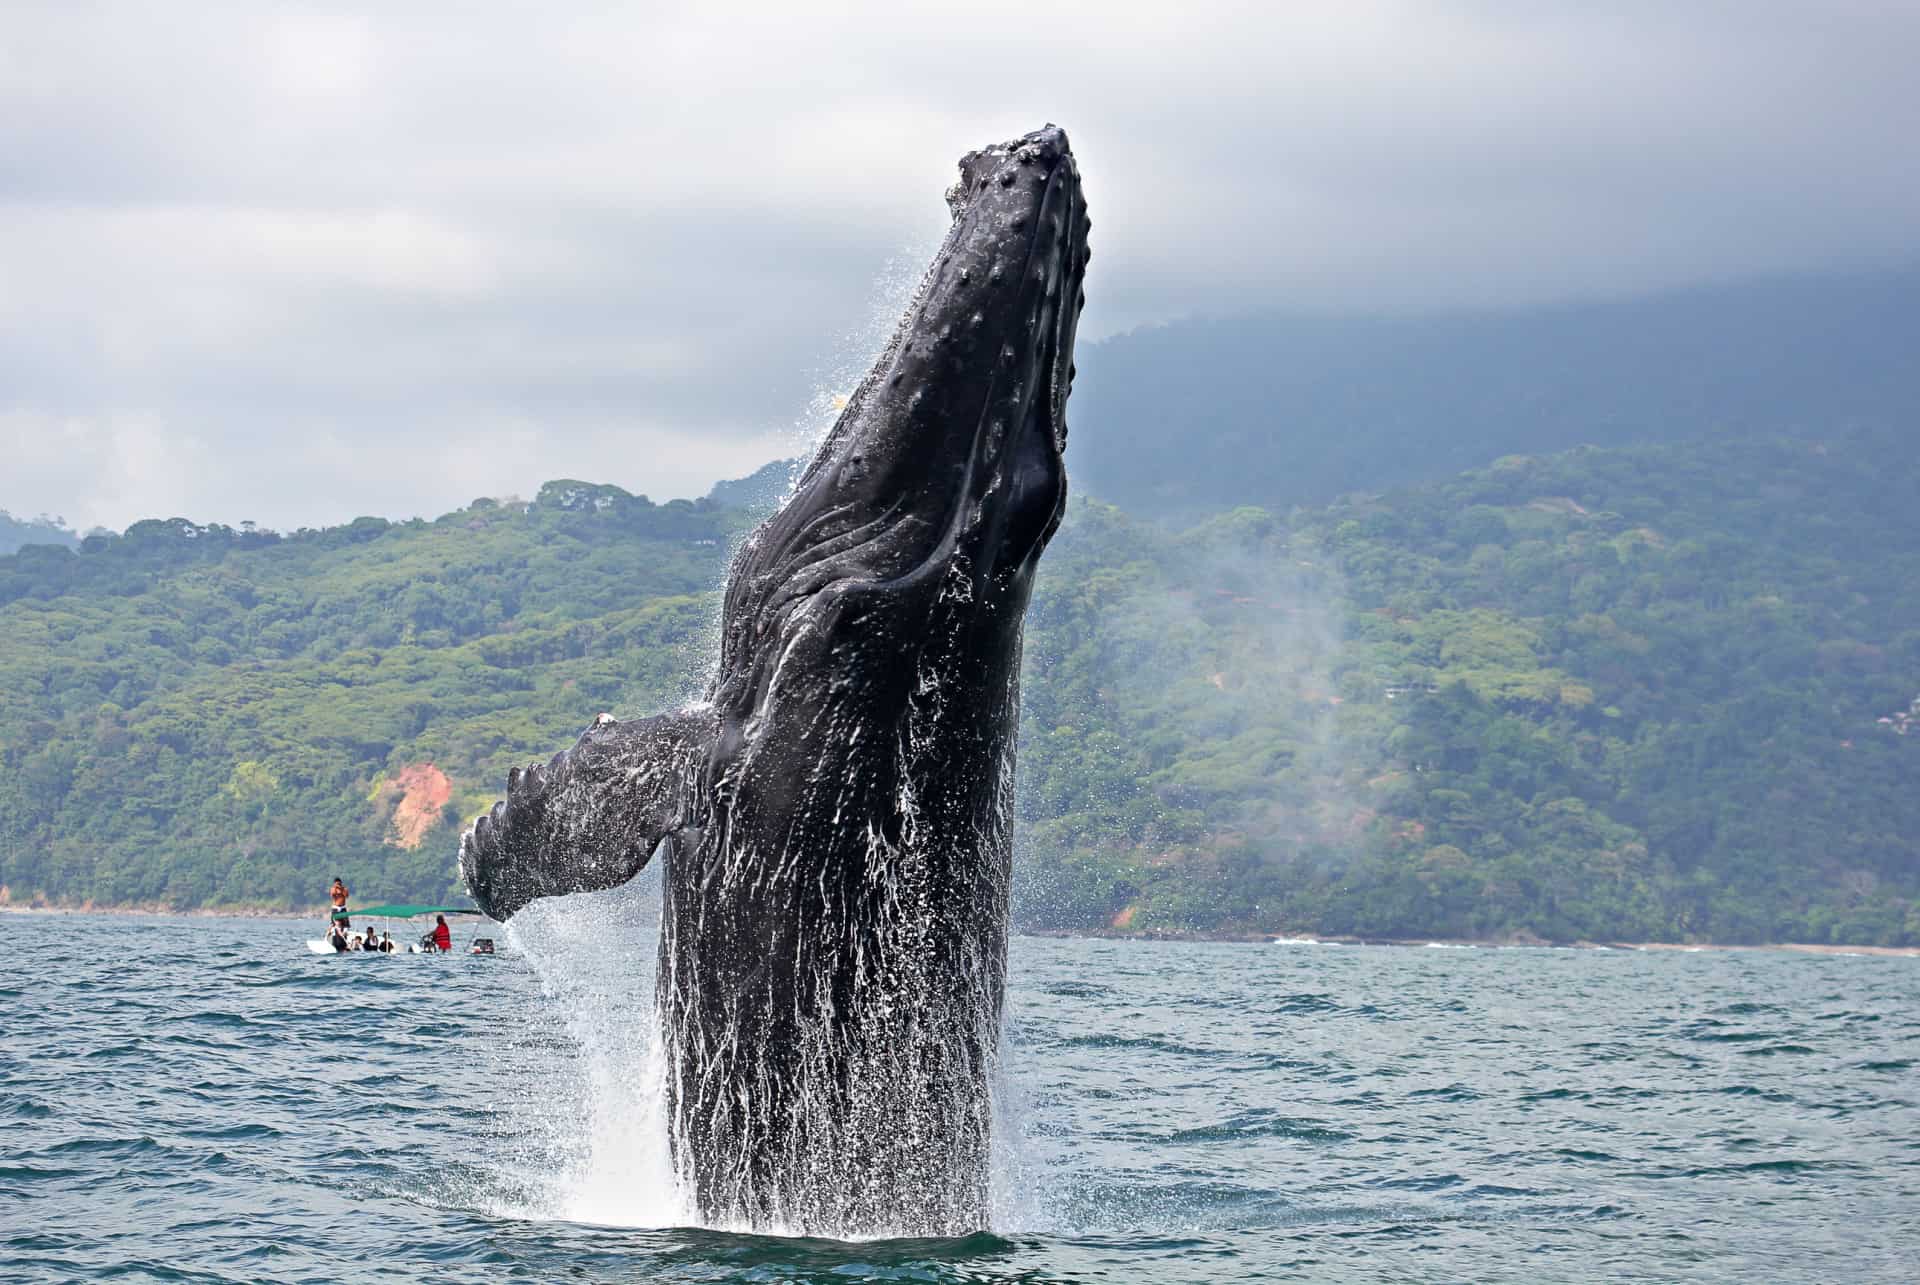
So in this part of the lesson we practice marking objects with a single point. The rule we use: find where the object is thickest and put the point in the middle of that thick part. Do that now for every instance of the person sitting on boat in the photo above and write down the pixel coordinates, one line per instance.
(372, 942)
(339, 896)
(337, 937)
(442, 935)
(386, 943)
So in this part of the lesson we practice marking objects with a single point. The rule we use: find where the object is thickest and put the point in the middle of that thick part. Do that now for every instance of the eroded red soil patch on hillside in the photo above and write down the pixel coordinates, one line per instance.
(424, 789)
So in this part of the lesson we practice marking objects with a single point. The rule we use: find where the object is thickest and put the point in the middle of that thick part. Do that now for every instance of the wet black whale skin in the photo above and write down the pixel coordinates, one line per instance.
(836, 813)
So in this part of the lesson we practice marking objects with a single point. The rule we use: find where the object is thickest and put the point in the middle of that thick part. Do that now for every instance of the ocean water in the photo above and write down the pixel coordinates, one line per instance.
(202, 1099)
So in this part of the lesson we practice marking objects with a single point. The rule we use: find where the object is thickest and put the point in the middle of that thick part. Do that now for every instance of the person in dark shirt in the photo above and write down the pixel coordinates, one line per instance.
(372, 942)
(386, 943)
(337, 937)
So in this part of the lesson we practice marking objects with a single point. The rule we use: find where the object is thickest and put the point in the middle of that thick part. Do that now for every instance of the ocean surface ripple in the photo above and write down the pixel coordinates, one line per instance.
(203, 1100)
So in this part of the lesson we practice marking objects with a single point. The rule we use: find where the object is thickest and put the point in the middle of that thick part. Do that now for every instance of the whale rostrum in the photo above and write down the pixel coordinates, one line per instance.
(835, 817)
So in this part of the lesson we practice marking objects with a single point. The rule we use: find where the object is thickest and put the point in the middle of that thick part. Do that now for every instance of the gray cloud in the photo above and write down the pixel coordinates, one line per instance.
(299, 262)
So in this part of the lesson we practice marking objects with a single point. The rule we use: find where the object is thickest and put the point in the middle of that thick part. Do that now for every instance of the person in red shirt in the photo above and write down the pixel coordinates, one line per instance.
(442, 935)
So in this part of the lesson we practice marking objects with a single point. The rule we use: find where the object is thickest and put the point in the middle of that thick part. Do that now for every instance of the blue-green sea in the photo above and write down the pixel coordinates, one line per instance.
(203, 1099)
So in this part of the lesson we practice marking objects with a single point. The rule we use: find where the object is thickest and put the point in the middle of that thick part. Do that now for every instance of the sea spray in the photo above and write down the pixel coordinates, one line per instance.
(594, 1117)
(587, 1141)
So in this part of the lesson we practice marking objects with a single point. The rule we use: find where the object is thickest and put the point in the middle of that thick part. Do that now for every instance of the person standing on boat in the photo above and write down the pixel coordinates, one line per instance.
(340, 903)
(442, 935)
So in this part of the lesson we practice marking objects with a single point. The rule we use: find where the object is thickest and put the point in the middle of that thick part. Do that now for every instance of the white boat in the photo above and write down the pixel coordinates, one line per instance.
(386, 914)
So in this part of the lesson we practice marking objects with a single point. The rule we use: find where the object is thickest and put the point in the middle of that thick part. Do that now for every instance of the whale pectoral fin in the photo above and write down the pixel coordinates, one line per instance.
(591, 817)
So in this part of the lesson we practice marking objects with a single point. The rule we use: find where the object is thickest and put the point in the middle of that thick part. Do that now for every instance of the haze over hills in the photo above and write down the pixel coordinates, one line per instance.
(1662, 686)
(16, 532)
(1184, 419)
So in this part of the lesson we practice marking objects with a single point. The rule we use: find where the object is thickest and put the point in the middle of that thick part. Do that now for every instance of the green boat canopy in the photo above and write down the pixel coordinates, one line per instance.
(403, 912)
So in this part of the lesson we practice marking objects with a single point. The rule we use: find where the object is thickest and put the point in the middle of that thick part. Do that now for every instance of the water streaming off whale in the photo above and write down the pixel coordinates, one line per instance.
(833, 819)
(591, 1135)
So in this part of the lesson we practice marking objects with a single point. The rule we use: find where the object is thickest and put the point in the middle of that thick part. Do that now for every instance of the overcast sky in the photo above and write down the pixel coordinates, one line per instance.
(299, 262)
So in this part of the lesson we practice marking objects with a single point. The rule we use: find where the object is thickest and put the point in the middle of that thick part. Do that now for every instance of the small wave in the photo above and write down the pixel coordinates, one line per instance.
(1557, 1095)
(223, 1021)
(1752, 1091)
(1146, 1043)
(234, 1132)
(1449, 1093)
(115, 1050)
(1262, 1124)
(1306, 1002)
(1787, 1168)
(39, 1173)
(1727, 1037)
(143, 1147)
(1424, 1182)
(1278, 1062)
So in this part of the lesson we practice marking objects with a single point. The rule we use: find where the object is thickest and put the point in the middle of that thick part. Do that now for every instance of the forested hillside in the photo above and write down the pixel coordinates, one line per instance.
(1648, 692)
(1187, 419)
(200, 715)
(1645, 693)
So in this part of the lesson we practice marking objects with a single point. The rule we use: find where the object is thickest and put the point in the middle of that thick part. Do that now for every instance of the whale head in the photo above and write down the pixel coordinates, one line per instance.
(946, 463)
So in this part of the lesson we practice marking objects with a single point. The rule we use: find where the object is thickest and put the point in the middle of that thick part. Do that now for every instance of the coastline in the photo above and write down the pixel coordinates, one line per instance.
(167, 912)
(1245, 938)
(1458, 943)
(1803, 947)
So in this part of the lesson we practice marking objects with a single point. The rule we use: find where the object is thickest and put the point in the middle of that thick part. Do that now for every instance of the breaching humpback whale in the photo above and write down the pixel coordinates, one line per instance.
(835, 815)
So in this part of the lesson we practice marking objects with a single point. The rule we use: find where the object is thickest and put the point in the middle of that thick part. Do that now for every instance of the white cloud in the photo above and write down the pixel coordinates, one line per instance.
(635, 240)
